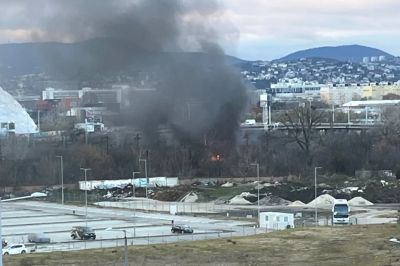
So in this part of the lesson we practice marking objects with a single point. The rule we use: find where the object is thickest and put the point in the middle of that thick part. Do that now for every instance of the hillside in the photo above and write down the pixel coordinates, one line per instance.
(98, 56)
(353, 53)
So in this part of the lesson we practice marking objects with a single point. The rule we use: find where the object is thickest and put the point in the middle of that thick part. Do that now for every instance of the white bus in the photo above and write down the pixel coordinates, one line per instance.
(340, 211)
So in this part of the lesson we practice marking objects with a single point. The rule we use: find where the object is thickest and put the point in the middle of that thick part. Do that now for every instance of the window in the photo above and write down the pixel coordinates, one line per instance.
(286, 219)
(266, 218)
(278, 219)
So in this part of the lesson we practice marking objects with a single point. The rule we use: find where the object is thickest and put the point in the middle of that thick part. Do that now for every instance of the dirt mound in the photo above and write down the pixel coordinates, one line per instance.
(297, 203)
(239, 200)
(190, 197)
(324, 200)
(273, 201)
(359, 201)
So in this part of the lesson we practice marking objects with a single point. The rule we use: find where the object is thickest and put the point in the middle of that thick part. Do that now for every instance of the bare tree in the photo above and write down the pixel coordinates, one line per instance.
(300, 123)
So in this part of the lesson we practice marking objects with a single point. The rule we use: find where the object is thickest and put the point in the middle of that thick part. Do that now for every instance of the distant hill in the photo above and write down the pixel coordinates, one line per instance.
(353, 53)
(97, 56)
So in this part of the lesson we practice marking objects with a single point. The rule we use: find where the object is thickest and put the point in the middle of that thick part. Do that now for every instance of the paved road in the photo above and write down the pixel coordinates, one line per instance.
(55, 220)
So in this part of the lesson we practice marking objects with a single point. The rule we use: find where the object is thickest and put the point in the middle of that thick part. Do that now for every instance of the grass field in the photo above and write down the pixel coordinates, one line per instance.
(325, 246)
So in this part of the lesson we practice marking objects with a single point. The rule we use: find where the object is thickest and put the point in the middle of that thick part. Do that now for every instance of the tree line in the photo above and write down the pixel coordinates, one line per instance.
(293, 151)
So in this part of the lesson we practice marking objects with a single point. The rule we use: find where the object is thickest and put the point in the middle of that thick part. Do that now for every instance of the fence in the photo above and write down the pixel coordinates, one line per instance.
(138, 240)
(177, 207)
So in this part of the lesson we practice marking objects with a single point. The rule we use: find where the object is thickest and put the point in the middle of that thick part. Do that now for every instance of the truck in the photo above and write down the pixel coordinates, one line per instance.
(340, 211)
(83, 233)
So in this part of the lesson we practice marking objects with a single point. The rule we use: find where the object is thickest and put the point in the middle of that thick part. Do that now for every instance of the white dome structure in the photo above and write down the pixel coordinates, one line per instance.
(11, 112)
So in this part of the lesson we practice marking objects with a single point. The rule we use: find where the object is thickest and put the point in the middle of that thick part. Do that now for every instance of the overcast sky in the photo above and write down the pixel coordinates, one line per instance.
(260, 29)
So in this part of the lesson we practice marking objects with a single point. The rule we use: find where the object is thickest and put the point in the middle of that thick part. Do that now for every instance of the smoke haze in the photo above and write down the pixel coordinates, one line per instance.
(197, 94)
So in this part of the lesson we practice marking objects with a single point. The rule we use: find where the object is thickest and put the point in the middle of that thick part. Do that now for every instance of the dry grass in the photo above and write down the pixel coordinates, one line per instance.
(350, 245)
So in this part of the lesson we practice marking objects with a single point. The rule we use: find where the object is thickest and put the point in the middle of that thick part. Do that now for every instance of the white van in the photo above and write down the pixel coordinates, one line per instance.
(250, 122)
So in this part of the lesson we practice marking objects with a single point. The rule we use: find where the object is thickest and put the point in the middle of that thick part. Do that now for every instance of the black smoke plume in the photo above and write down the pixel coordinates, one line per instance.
(196, 93)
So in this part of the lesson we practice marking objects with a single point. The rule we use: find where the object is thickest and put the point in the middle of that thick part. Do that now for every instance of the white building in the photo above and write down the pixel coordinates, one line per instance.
(339, 94)
(276, 220)
(374, 59)
(365, 59)
(99, 95)
(291, 90)
(53, 94)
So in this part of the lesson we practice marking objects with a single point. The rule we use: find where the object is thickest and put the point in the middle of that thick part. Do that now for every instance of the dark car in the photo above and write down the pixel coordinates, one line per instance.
(182, 229)
(4, 243)
(82, 232)
(38, 238)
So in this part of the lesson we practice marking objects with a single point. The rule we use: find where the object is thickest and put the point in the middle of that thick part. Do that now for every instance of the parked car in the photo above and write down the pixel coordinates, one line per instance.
(38, 238)
(182, 229)
(82, 232)
(14, 249)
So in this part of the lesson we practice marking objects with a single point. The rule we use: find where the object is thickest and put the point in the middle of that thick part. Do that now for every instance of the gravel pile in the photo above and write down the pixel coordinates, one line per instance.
(359, 201)
(297, 203)
(322, 201)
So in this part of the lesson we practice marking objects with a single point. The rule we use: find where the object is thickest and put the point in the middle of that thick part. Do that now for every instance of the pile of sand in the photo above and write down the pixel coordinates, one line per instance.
(322, 201)
(359, 201)
(239, 200)
(190, 197)
(297, 203)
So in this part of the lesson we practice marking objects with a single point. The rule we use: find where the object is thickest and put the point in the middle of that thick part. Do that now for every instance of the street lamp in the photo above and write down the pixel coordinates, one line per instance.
(33, 195)
(315, 194)
(145, 172)
(126, 243)
(258, 191)
(85, 170)
(133, 183)
(62, 177)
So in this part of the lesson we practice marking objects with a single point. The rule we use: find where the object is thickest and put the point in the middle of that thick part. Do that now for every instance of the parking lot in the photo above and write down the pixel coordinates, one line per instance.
(55, 220)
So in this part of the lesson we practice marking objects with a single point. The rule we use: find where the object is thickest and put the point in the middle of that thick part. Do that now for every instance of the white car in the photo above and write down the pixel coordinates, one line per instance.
(14, 249)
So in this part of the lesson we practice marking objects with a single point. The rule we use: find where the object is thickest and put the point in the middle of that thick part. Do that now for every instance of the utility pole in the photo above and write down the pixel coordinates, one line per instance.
(315, 195)
(145, 173)
(258, 191)
(38, 119)
(133, 183)
(62, 177)
(125, 244)
(126, 249)
(85, 170)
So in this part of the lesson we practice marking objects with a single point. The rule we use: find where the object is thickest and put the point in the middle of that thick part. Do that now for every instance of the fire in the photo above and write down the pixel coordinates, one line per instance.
(216, 157)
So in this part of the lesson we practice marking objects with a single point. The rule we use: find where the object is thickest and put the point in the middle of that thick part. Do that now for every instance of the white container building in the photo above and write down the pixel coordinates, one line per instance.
(276, 220)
